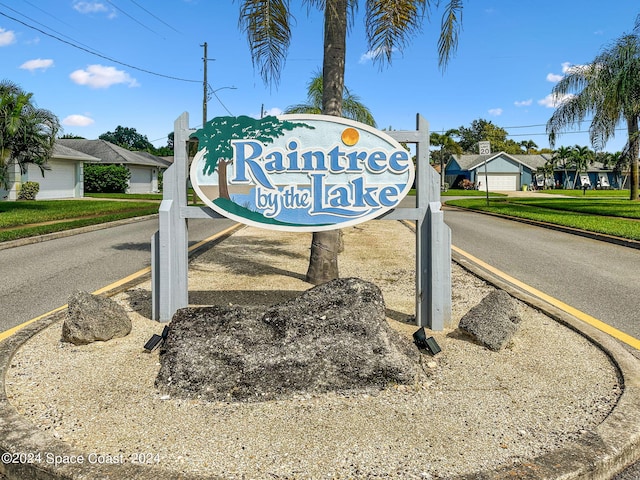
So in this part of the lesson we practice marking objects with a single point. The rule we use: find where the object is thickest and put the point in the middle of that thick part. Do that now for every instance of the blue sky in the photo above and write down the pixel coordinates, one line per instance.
(149, 67)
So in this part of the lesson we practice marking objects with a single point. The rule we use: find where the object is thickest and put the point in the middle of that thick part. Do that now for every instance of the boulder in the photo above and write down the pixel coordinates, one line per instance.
(93, 318)
(494, 321)
(333, 337)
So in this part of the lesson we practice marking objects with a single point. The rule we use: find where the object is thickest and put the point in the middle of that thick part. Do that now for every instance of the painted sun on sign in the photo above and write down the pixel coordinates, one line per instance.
(299, 172)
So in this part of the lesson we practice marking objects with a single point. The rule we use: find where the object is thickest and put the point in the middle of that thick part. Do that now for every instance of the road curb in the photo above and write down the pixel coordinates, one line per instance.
(596, 455)
(625, 242)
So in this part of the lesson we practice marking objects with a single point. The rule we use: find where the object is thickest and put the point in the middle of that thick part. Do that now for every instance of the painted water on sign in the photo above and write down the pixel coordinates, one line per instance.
(299, 172)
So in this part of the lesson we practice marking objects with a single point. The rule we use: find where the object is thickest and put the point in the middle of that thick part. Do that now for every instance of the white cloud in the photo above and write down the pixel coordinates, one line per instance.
(523, 103)
(37, 64)
(99, 76)
(554, 77)
(371, 54)
(566, 67)
(77, 121)
(7, 37)
(552, 101)
(495, 111)
(90, 7)
(94, 7)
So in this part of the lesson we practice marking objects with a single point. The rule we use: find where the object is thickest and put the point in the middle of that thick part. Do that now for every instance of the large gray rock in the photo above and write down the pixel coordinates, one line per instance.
(93, 318)
(333, 337)
(494, 321)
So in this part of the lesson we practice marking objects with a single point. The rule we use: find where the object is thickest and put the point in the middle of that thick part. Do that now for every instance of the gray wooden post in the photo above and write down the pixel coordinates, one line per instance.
(171, 258)
(433, 236)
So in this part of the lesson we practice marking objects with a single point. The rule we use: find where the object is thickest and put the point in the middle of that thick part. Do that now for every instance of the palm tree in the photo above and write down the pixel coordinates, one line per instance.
(562, 157)
(608, 90)
(581, 156)
(389, 26)
(448, 146)
(528, 145)
(27, 133)
(352, 107)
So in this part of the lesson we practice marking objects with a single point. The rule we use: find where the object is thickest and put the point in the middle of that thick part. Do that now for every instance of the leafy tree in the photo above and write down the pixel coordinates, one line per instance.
(352, 107)
(485, 130)
(608, 91)
(389, 26)
(128, 138)
(72, 136)
(27, 133)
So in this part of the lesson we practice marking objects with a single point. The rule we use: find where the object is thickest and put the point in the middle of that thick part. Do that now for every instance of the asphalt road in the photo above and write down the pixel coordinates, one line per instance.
(38, 278)
(598, 278)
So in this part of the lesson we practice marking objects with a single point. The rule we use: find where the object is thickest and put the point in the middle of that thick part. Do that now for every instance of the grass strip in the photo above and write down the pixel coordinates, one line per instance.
(16, 214)
(612, 207)
(589, 193)
(30, 231)
(618, 227)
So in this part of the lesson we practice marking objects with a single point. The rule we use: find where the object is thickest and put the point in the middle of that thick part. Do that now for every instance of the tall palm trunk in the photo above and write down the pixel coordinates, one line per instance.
(634, 148)
(325, 246)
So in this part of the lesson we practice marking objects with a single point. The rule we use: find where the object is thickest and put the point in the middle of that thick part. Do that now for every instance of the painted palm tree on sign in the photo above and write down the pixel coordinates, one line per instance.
(390, 24)
(352, 107)
(608, 91)
(27, 133)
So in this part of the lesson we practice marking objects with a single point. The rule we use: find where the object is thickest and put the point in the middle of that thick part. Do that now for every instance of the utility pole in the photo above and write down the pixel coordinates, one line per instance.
(204, 87)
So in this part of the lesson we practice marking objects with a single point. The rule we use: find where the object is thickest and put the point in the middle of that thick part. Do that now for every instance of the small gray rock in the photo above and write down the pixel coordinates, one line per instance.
(93, 318)
(333, 337)
(494, 321)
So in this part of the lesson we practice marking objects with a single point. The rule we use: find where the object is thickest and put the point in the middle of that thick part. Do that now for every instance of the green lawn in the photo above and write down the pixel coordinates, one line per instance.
(28, 218)
(589, 193)
(609, 216)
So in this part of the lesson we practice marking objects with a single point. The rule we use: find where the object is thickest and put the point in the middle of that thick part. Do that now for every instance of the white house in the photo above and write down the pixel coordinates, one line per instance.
(143, 166)
(62, 179)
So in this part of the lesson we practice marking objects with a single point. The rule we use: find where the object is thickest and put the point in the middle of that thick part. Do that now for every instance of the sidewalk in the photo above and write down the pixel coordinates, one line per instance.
(562, 401)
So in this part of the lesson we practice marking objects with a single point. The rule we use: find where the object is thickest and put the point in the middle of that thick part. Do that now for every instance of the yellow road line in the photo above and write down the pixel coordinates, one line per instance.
(7, 333)
(594, 322)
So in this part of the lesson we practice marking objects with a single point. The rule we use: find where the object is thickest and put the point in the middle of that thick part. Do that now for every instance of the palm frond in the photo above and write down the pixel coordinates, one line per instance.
(267, 25)
(449, 32)
(390, 24)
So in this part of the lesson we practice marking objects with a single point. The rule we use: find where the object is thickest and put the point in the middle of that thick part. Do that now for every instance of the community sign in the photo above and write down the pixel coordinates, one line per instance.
(299, 172)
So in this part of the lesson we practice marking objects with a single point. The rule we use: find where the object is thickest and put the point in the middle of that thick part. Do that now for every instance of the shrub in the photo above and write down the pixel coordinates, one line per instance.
(106, 178)
(28, 191)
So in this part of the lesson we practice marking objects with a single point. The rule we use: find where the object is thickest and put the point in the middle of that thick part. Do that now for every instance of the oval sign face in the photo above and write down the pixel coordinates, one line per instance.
(299, 172)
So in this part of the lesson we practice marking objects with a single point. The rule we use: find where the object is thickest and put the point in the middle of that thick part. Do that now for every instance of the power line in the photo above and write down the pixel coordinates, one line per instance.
(39, 23)
(45, 12)
(154, 16)
(88, 50)
(134, 19)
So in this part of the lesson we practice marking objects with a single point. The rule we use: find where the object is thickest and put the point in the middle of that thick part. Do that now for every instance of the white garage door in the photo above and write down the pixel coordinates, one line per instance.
(140, 181)
(59, 182)
(498, 183)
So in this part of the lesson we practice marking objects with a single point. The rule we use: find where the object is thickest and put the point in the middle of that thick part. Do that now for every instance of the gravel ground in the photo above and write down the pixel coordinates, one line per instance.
(479, 410)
